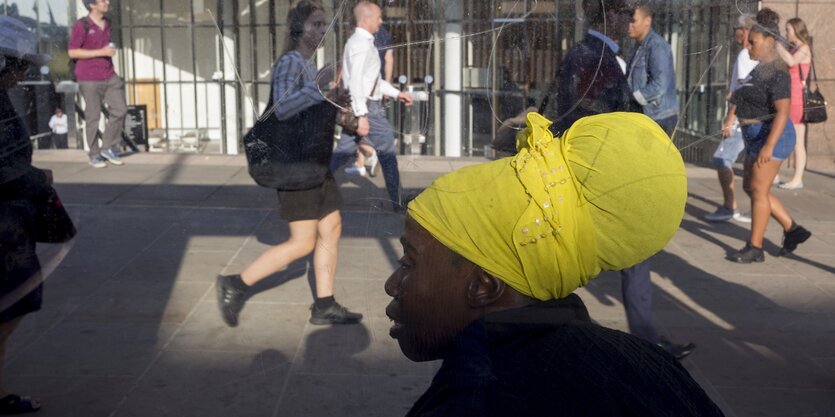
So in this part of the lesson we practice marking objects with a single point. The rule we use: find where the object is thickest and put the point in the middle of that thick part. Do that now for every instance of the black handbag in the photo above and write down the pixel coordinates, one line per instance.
(814, 105)
(291, 154)
(54, 224)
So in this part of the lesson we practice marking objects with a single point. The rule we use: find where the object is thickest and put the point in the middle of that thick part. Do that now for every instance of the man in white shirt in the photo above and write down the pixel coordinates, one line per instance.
(361, 75)
(58, 124)
(729, 148)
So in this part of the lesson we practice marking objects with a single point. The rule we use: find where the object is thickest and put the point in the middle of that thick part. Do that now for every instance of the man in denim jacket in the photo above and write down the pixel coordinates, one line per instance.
(650, 74)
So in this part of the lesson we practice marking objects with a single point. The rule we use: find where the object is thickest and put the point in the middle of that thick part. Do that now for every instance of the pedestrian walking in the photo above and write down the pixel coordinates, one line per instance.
(92, 49)
(732, 144)
(313, 214)
(763, 105)
(361, 76)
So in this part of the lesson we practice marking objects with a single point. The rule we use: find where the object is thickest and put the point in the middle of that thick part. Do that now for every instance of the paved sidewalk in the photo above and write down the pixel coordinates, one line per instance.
(130, 325)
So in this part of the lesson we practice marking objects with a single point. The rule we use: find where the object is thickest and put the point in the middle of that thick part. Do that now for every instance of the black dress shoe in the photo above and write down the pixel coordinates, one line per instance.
(748, 254)
(230, 300)
(793, 238)
(335, 314)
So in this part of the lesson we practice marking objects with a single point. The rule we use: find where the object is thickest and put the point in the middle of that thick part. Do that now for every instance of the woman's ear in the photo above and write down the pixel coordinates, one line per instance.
(484, 289)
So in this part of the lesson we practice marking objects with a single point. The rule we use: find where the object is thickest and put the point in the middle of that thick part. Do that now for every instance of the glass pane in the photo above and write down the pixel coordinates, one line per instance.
(204, 10)
(177, 12)
(142, 13)
(178, 54)
(207, 54)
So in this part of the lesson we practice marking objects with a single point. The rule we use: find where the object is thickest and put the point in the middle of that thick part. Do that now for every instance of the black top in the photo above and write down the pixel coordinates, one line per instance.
(766, 84)
(590, 81)
(550, 360)
(382, 41)
(21, 187)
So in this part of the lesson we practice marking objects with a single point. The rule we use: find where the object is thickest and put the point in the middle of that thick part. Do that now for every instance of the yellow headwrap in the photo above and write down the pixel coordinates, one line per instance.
(609, 194)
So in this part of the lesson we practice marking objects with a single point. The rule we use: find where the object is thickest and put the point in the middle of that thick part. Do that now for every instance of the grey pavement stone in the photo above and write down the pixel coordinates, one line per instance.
(101, 348)
(350, 395)
(130, 312)
(75, 395)
(262, 326)
(205, 384)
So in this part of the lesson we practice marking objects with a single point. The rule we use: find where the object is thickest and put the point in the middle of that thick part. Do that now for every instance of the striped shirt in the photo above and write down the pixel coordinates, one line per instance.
(294, 85)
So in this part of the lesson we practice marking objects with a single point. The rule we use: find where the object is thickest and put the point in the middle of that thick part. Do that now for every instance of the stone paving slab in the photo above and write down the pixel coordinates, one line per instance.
(130, 325)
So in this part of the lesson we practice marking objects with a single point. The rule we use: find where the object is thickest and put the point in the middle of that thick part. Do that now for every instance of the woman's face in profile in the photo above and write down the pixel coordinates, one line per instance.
(429, 292)
(759, 46)
(315, 28)
(790, 34)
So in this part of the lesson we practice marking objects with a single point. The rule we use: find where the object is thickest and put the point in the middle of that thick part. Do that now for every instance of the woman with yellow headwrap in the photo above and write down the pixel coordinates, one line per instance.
(493, 252)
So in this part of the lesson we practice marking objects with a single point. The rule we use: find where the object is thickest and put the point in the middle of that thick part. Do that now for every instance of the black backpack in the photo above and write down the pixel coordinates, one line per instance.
(71, 64)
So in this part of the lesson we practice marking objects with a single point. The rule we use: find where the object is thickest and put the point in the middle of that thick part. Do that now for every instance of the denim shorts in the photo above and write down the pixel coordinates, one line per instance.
(756, 134)
(728, 150)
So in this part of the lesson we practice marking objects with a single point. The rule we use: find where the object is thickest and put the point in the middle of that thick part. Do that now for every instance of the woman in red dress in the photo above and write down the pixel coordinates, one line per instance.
(798, 60)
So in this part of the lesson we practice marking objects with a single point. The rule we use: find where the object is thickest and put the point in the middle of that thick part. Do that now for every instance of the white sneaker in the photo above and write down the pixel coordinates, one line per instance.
(790, 186)
(354, 170)
(776, 180)
(742, 217)
(374, 162)
(721, 214)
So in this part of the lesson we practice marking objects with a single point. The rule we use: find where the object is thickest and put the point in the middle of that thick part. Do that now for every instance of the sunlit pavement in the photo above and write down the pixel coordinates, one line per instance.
(130, 325)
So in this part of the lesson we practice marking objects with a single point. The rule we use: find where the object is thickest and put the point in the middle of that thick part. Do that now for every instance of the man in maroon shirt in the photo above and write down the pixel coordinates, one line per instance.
(91, 47)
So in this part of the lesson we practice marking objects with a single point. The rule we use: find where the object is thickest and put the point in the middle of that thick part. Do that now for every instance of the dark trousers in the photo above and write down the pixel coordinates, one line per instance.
(112, 93)
(668, 124)
(59, 140)
(636, 289)
(381, 137)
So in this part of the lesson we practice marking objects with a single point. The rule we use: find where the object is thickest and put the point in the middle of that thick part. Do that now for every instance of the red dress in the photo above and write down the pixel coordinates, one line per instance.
(796, 114)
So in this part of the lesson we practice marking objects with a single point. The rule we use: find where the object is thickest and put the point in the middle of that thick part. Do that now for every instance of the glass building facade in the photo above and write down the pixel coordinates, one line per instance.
(202, 67)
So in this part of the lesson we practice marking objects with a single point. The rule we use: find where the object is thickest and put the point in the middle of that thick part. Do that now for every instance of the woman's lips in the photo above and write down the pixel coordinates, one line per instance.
(397, 327)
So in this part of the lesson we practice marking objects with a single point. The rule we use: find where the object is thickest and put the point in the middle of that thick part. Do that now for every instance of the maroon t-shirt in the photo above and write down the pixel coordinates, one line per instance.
(93, 69)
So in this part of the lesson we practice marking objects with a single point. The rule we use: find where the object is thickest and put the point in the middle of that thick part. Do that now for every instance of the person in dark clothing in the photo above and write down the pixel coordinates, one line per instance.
(590, 80)
(486, 283)
(21, 187)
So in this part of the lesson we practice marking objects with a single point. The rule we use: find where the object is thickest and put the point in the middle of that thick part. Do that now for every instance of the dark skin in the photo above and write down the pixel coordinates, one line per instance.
(760, 171)
(437, 293)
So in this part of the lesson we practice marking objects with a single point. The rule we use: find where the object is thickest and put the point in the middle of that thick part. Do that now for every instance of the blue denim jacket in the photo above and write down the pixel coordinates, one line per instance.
(652, 77)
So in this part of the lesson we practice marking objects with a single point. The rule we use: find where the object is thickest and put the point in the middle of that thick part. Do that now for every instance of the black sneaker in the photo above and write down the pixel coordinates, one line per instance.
(748, 254)
(794, 238)
(230, 300)
(335, 314)
(678, 351)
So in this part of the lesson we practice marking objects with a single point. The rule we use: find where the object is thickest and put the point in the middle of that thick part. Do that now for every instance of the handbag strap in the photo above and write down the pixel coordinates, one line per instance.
(339, 80)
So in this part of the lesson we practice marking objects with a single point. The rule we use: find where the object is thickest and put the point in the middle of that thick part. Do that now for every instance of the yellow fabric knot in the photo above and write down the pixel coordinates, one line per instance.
(607, 195)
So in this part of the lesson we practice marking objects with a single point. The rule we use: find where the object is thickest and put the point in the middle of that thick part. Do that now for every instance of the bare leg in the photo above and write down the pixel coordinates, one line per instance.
(302, 241)
(360, 157)
(799, 155)
(726, 181)
(327, 253)
(762, 199)
(6, 329)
